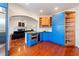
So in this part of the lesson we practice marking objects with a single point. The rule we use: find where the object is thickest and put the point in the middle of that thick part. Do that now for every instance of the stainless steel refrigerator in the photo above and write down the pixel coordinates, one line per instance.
(2, 30)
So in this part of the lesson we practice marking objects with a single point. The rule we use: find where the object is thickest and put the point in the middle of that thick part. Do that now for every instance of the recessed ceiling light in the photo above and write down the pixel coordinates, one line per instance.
(27, 3)
(56, 8)
(41, 11)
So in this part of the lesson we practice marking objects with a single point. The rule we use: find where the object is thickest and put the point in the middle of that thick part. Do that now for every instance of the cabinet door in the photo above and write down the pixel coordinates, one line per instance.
(58, 19)
(46, 36)
(33, 42)
(50, 36)
(41, 36)
(45, 21)
(28, 39)
(58, 29)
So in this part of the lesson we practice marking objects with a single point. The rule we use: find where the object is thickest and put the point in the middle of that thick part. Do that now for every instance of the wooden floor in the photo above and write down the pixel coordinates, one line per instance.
(19, 48)
(2, 51)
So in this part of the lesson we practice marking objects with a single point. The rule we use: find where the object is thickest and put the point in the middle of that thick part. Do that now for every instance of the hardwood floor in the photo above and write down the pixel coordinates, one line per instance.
(19, 48)
(2, 51)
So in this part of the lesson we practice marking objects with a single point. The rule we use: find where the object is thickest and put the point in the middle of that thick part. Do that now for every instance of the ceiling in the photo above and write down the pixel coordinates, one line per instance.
(48, 8)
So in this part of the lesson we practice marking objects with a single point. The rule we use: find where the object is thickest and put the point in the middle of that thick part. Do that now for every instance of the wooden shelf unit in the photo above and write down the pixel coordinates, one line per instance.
(69, 28)
(45, 21)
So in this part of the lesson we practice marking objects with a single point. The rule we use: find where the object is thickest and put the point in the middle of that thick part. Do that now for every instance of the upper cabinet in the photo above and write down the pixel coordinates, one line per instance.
(58, 19)
(45, 21)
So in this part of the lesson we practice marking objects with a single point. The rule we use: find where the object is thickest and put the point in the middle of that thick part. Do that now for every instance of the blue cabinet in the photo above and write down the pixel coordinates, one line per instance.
(29, 41)
(44, 36)
(58, 28)
(58, 19)
(41, 36)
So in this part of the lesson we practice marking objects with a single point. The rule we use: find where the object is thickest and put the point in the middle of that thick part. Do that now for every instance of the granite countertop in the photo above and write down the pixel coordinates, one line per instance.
(32, 32)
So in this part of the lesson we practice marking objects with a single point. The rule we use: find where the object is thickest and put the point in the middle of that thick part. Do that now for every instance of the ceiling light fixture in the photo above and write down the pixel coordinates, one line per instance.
(56, 8)
(41, 11)
(27, 3)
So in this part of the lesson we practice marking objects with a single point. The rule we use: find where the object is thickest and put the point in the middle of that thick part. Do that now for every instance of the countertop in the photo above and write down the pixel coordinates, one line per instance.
(32, 32)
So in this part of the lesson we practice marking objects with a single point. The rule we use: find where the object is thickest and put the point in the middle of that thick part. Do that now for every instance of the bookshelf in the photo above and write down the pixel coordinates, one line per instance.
(70, 28)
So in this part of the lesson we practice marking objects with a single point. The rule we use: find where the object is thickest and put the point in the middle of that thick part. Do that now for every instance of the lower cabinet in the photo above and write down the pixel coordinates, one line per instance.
(45, 36)
(41, 36)
(54, 37)
(31, 39)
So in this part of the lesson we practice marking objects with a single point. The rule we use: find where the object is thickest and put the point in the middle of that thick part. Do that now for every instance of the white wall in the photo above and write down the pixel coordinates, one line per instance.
(77, 28)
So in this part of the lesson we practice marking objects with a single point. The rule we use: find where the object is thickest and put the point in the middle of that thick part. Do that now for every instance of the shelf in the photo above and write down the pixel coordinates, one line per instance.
(69, 28)
(45, 21)
(69, 17)
(69, 22)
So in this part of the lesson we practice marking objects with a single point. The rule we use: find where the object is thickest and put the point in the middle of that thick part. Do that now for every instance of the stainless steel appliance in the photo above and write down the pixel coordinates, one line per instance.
(2, 26)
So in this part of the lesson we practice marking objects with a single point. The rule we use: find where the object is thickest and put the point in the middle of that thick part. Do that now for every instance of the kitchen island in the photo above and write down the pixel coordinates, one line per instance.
(31, 38)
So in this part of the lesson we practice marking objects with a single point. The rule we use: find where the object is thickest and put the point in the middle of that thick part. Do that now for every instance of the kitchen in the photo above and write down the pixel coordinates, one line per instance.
(38, 27)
